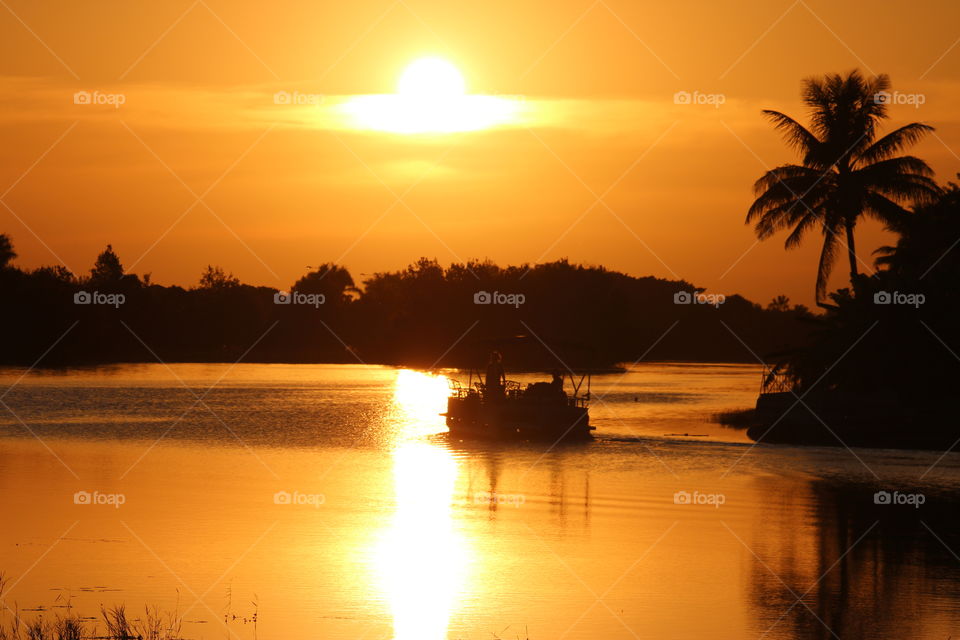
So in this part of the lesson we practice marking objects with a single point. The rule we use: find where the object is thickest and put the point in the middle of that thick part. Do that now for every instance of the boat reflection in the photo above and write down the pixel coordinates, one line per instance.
(421, 560)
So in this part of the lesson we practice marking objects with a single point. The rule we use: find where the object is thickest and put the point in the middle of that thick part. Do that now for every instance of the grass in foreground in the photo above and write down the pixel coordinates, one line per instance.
(151, 625)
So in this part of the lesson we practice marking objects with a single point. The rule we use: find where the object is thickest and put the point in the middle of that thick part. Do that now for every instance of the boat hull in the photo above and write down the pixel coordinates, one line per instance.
(517, 420)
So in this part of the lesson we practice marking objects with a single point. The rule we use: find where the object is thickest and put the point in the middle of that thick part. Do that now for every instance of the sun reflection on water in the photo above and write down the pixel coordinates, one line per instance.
(420, 398)
(421, 560)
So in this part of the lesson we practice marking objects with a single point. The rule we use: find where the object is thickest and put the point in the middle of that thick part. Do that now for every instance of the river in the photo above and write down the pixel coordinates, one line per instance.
(327, 502)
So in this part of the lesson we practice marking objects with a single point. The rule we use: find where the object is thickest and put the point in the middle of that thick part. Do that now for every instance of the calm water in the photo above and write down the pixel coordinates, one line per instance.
(328, 500)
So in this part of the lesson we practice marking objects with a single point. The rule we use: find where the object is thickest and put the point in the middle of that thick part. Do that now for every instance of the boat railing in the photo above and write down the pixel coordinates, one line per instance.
(581, 401)
(512, 389)
(775, 380)
(458, 389)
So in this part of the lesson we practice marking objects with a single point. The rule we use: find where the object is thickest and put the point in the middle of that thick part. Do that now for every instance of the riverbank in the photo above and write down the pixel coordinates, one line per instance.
(847, 420)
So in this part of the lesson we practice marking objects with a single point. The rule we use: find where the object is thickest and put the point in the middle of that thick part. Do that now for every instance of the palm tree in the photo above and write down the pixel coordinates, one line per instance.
(846, 172)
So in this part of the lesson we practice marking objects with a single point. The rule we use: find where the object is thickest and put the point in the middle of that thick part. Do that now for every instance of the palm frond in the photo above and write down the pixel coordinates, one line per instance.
(884, 210)
(895, 141)
(787, 174)
(794, 134)
(783, 205)
(809, 221)
(900, 165)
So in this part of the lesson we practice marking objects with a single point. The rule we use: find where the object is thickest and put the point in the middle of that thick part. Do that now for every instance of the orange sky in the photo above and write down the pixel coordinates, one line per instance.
(284, 187)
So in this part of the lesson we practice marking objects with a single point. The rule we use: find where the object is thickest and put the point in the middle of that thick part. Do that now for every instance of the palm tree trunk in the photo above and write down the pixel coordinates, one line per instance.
(852, 254)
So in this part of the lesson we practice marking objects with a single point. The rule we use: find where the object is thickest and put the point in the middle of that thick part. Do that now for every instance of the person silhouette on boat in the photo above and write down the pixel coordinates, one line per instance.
(547, 392)
(496, 379)
(557, 382)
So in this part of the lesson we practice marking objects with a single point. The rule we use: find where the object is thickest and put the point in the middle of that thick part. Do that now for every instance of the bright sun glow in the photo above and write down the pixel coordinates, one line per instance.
(431, 98)
(431, 78)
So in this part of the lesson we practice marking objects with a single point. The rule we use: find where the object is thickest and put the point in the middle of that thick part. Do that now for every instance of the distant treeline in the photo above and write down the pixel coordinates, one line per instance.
(425, 315)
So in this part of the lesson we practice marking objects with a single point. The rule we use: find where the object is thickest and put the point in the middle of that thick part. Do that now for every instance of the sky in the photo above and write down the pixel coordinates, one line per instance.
(186, 157)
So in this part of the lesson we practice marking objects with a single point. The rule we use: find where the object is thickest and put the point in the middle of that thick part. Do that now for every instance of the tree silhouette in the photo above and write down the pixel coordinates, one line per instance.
(846, 172)
(779, 303)
(333, 281)
(7, 254)
(926, 247)
(107, 269)
(216, 278)
(426, 314)
(58, 273)
(880, 367)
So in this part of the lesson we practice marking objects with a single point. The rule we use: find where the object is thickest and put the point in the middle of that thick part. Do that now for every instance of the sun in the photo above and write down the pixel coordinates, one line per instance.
(431, 78)
(431, 98)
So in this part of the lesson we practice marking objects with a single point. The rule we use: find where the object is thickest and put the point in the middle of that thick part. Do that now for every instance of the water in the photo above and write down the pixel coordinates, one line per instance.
(328, 501)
